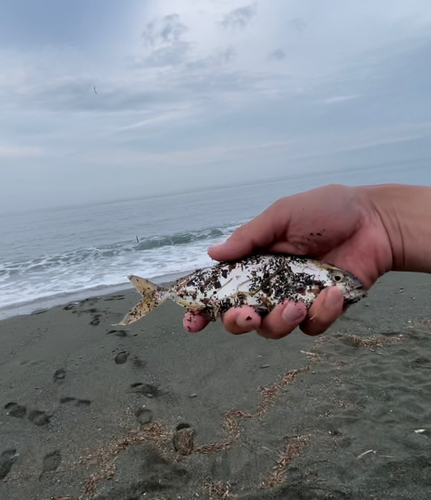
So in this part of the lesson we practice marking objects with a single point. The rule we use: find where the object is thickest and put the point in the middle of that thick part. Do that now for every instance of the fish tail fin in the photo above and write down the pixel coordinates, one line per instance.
(152, 294)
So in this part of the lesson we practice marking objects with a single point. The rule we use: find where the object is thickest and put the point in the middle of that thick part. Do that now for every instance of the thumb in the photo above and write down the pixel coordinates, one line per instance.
(258, 233)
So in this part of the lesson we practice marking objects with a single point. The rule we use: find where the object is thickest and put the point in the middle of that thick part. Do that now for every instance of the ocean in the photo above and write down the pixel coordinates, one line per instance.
(49, 257)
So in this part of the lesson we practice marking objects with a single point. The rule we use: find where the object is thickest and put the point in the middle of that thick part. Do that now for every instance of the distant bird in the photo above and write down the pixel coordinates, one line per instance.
(94, 88)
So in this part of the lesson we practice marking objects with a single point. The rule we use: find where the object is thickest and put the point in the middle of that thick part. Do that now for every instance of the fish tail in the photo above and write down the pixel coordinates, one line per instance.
(152, 297)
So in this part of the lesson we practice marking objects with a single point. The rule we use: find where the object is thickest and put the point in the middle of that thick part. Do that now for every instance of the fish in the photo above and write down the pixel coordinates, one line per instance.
(261, 281)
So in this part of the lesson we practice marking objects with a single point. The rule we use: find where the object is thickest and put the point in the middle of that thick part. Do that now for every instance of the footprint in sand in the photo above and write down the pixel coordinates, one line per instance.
(83, 402)
(96, 320)
(71, 306)
(149, 390)
(51, 461)
(75, 401)
(118, 333)
(183, 439)
(74, 305)
(39, 418)
(115, 297)
(59, 374)
(15, 410)
(144, 415)
(92, 310)
(121, 357)
(421, 362)
(7, 459)
(66, 400)
(139, 363)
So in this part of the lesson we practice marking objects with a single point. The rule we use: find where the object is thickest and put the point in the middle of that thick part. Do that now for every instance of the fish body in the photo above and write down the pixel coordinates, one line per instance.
(259, 281)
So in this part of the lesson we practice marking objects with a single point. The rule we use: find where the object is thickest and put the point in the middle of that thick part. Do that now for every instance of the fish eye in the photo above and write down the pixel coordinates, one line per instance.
(338, 277)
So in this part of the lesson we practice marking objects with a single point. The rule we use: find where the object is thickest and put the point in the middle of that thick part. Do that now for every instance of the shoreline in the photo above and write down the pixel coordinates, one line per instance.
(92, 411)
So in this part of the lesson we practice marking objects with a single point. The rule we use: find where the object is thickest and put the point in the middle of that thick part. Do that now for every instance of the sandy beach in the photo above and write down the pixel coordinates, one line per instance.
(150, 411)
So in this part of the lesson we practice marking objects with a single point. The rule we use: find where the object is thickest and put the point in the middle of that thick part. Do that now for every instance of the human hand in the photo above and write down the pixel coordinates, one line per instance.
(335, 224)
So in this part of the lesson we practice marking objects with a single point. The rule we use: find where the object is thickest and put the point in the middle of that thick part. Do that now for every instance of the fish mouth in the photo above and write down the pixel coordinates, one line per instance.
(354, 298)
(357, 292)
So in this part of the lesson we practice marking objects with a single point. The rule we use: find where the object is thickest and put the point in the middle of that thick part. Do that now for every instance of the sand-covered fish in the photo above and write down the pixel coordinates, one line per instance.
(260, 281)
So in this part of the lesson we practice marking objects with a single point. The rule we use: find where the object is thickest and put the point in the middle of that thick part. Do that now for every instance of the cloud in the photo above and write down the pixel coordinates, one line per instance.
(20, 153)
(164, 37)
(277, 55)
(341, 98)
(167, 30)
(297, 23)
(239, 18)
(226, 55)
(171, 55)
(162, 118)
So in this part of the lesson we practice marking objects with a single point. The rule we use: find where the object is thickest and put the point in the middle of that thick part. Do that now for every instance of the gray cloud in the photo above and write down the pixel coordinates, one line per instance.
(277, 54)
(171, 55)
(168, 30)
(219, 58)
(227, 55)
(239, 18)
(164, 37)
(297, 23)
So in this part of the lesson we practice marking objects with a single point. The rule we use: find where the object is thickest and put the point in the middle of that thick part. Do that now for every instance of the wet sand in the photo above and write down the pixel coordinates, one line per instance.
(150, 411)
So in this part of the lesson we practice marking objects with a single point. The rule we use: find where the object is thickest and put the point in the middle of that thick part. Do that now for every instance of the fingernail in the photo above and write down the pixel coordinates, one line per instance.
(292, 312)
(218, 244)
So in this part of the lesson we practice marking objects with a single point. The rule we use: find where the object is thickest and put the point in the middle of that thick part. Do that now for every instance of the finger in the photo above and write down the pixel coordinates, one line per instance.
(241, 320)
(194, 321)
(326, 309)
(282, 320)
(260, 232)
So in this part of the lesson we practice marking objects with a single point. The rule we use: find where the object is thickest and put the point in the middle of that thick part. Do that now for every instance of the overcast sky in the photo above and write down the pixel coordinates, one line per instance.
(103, 99)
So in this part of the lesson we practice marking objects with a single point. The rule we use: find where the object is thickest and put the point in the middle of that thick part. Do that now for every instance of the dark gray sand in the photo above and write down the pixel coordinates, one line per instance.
(151, 412)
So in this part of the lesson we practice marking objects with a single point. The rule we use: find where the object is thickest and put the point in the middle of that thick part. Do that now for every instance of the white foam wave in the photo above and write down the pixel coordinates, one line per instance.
(100, 267)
